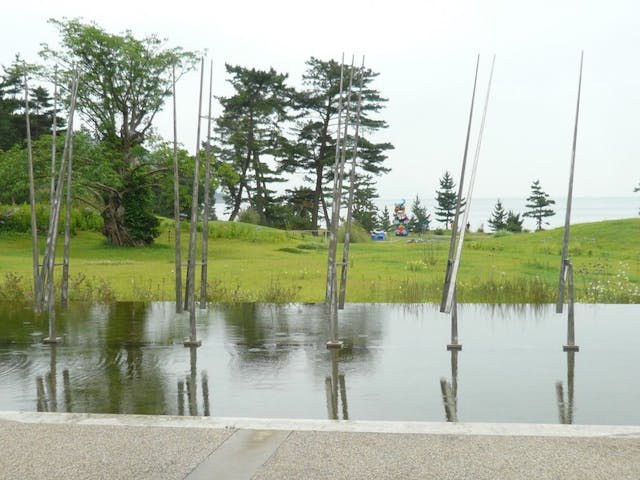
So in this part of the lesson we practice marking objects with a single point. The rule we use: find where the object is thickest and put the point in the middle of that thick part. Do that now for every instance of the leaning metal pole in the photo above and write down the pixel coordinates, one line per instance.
(456, 264)
(176, 200)
(567, 217)
(352, 178)
(37, 284)
(566, 268)
(454, 226)
(331, 265)
(205, 216)
(191, 265)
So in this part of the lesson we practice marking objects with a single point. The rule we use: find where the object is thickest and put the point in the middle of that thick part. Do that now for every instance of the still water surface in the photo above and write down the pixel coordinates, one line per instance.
(271, 361)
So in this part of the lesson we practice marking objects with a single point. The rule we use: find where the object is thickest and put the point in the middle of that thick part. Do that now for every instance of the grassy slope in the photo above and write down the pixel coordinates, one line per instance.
(256, 263)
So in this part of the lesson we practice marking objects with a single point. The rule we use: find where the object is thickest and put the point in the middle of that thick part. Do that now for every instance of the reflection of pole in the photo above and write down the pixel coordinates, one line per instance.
(205, 394)
(192, 381)
(41, 396)
(335, 385)
(180, 397)
(565, 409)
(67, 390)
(449, 403)
(52, 380)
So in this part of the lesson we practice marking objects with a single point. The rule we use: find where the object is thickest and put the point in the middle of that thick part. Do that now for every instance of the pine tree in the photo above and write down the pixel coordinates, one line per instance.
(384, 219)
(513, 222)
(537, 205)
(498, 217)
(420, 219)
(447, 199)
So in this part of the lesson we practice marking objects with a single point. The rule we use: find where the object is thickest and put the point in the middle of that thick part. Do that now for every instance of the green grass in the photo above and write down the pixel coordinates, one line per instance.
(251, 263)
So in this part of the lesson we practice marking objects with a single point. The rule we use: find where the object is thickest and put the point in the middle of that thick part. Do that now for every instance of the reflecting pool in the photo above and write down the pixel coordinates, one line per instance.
(271, 361)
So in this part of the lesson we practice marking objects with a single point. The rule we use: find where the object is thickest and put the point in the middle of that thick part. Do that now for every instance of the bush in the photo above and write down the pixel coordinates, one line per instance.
(358, 233)
(17, 218)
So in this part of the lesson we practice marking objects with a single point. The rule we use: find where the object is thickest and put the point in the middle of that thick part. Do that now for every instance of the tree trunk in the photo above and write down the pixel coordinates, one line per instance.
(114, 227)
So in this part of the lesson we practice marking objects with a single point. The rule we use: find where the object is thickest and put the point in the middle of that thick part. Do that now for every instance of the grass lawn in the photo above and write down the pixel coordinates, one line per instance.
(251, 263)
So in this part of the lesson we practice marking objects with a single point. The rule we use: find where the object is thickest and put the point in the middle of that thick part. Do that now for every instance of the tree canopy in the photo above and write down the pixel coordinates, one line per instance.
(124, 83)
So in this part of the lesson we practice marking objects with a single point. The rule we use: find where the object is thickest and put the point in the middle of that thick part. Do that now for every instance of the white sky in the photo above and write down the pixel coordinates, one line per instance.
(425, 52)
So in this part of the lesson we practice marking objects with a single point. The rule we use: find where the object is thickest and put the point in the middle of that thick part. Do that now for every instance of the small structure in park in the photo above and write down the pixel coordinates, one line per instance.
(400, 219)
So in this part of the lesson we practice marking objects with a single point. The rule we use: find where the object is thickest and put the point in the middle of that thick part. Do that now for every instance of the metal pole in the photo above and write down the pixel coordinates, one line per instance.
(454, 345)
(331, 266)
(64, 286)
(37, 284)
(191, 268)
(347, 229)
(176, 201)
(54, 130)
(205, 217)
(456, 263)
(571, 343)
(567, 218)
(454, 227)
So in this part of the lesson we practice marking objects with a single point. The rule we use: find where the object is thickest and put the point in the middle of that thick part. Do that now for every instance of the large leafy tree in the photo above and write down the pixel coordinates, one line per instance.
(317, 121)
(538, 205)
(124, 83)
(251, 134)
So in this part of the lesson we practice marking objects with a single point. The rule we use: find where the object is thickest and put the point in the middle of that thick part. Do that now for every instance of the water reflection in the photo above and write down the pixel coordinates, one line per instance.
(47, 387)
(449, 390)
(191, 390)
(336, 388)
(566, 407)
(266, 361)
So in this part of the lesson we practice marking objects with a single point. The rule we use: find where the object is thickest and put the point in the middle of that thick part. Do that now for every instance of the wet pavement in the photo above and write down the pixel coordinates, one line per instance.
(96, 446)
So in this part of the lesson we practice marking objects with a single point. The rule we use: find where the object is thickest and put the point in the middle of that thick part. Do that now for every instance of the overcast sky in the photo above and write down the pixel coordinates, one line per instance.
(425, 52)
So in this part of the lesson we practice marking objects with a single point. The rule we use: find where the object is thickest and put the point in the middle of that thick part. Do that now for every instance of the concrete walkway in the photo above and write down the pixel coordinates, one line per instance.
(91, 446)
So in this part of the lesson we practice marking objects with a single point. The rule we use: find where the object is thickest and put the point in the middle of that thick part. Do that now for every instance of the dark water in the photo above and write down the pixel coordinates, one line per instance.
(268, 361)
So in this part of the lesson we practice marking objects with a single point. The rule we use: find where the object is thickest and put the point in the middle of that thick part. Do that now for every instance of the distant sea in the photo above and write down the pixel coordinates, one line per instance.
(583, 210)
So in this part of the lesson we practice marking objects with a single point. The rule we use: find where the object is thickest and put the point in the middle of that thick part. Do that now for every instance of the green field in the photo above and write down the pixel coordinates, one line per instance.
(251, 263)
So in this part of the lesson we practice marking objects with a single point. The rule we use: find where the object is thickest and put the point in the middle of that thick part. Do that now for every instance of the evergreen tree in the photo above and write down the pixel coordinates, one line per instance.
(513, 222)
(251, 131)
(420, 219)
(317, 104)
(364, 210)
(537, 204)
(498, 218)
(446, 198)
(384, 219)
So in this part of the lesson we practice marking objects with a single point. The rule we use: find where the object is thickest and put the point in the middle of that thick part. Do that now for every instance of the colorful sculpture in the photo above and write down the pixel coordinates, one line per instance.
(400, 219)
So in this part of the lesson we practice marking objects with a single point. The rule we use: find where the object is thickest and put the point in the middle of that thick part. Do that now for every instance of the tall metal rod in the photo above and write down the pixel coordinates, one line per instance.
(456, 263)
(352, 177)
(54, 130)
(333, 301)
(205, 216)
(191, 267)
(335, 211)
(567, 218)
(37, 284)
(454, 226)
(64, 286)
(176, 200)
(48, 263)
